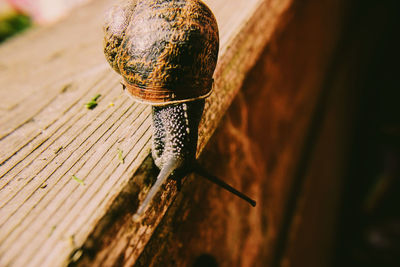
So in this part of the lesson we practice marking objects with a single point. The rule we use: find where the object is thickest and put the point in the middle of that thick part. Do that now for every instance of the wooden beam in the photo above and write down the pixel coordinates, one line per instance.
(61, 177)
(283, 141)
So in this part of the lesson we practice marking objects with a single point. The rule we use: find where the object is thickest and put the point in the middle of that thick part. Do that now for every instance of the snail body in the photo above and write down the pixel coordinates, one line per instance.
(166, 52)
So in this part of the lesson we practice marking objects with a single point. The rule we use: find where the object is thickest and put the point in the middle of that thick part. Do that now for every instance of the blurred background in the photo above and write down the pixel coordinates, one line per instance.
(18, 15)
(370, 221)
(369, 230)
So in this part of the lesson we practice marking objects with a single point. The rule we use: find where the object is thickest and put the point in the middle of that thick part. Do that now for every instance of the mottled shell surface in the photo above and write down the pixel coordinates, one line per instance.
(165, 50)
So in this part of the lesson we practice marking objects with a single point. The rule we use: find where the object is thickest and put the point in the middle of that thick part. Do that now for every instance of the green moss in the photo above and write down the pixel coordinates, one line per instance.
(120, 156)
(78, 180)
(93, 102)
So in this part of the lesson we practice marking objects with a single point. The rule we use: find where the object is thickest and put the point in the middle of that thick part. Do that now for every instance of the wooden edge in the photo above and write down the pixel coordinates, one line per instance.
(118, 240)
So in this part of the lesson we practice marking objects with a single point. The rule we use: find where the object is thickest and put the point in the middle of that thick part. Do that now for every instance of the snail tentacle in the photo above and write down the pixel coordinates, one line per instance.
(169, 169)
(214, 179)
(165, 172)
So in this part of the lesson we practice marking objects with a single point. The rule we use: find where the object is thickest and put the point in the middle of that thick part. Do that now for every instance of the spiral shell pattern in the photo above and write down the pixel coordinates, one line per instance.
(165, 50)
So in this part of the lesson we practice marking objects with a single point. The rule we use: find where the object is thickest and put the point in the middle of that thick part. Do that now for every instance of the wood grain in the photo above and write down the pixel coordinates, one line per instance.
(267, 145)
(47, 136)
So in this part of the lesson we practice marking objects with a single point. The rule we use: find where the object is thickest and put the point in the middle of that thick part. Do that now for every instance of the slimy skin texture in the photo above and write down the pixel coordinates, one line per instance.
(175, 133)
(174, 143)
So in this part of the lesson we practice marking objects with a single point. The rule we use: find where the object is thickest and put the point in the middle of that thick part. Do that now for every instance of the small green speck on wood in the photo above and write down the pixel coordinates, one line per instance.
(78, 180)
(93, 102)
(120, 156)
(71, 240)
(53, 228)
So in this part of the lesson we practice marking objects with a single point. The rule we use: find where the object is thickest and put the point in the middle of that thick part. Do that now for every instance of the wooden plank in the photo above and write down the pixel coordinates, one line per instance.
(259, 147)
(47, 136)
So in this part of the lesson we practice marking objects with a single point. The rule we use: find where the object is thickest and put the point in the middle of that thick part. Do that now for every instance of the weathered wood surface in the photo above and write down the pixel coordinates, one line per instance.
(284, 140)
(47, 136)
(259, 146)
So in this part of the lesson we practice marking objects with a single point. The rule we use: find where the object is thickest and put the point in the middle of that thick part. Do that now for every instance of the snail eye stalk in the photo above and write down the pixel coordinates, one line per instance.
(168, 170)
(165, 172)
(212, 178)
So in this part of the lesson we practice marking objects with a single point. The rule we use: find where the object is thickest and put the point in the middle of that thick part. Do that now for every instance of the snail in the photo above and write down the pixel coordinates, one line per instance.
(166, 52)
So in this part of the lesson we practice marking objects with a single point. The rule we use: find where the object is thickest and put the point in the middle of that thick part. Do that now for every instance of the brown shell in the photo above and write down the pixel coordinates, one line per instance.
(166, 50)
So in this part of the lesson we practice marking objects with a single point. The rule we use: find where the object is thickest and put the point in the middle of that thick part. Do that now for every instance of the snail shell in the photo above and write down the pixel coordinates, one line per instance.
(165, 50)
